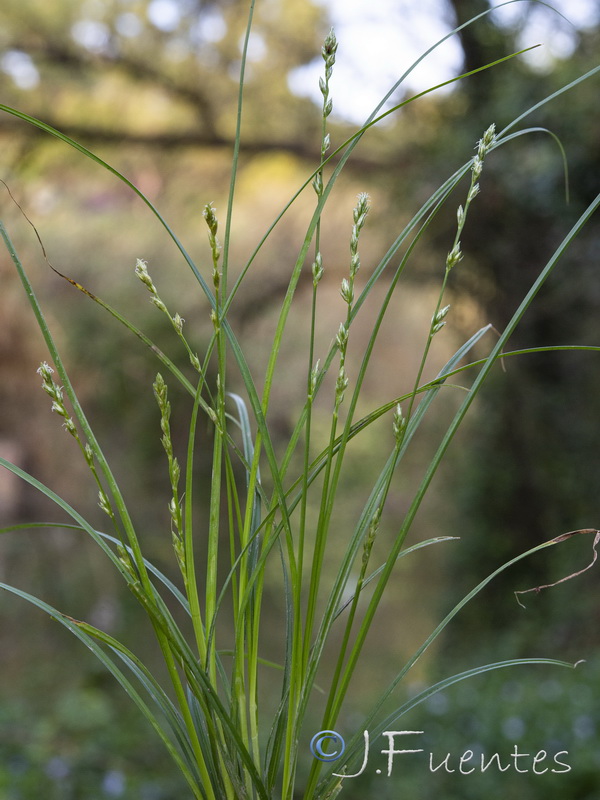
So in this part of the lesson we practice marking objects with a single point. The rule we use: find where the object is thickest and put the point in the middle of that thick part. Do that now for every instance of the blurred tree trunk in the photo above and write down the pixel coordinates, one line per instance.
(534, 444)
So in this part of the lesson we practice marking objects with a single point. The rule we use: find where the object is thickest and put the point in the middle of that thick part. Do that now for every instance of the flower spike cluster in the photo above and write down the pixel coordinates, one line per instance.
(359, 216)
(141, 270)
(484, 145)
(54, 391)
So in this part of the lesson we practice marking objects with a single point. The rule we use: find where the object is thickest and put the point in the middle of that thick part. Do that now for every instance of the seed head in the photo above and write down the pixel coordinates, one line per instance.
(174, 472)
(69, 426)
(317, 184)
(125, 560)
(485, 143)
(178, 323)
(317, 269)
(399, 424)
(51, 388)
(160, 391)
(329, 49)
(454, 256)
(104, 503)
(60, 409)
(341, 384)
(370, 540)
(213, 416)
(342, 337)
(45, 370)
(54, 391)
(210, 216)
(141, 270)
(473, 192)
(347, 291)
(361, 209)
(436, 322)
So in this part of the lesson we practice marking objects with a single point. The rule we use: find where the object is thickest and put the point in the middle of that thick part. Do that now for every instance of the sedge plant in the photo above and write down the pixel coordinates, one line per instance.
(274, 507)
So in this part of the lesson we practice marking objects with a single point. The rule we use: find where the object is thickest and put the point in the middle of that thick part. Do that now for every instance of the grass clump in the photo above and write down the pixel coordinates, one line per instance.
(264, 510)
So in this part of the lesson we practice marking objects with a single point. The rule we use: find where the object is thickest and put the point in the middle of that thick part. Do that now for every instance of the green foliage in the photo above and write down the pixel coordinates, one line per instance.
(66, 747)
(489, 715)
(272, 509)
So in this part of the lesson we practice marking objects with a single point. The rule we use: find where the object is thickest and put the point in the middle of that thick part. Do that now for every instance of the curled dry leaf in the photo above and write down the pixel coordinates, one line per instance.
(562, 538)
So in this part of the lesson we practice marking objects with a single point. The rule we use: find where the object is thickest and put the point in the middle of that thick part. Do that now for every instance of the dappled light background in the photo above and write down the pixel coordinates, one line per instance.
(150, 86)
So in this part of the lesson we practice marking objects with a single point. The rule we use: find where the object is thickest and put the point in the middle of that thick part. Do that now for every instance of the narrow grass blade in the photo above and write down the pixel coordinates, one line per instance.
(371, 718)
(112, 667)
(177, 594)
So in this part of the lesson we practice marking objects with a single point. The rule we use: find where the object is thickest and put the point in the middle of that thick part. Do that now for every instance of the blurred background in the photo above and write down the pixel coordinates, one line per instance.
(150, 86)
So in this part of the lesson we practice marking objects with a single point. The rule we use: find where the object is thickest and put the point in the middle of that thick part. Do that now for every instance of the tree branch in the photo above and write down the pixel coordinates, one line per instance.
(200, 139)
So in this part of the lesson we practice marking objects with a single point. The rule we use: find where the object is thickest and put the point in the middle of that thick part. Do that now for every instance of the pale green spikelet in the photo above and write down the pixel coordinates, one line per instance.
(159, 304)
(473, 192)
(174, 509)
(179, 550)
(160, 391)
(210, 216)
(104, 503)
(51, 388)
(178, 323)
(141, 270)
(347, 291)
(483, 146)
(317, 269)
(359, 216)
(161, 394)
(361, 209)
(437, 322)
(453, 257)
(486, 142)
(176, 320)
(317, 184)
(54, 391)
(370, 539)
(328, 51)
(341, 385)
(399, 425)
(127, 563)
(213, 416)
(89, 455)
(342, 337)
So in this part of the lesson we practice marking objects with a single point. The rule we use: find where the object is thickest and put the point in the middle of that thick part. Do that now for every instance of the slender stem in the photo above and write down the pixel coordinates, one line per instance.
(191, 583)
